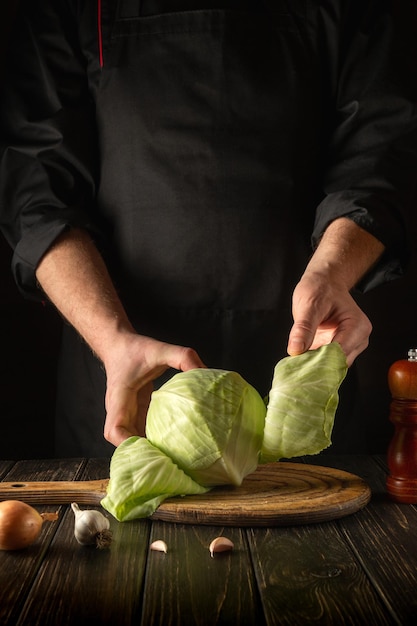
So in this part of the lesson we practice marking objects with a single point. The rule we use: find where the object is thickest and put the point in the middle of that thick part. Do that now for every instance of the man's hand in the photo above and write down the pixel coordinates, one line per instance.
(325, 312)
(323, 309)
(130, 370)
(73, 275)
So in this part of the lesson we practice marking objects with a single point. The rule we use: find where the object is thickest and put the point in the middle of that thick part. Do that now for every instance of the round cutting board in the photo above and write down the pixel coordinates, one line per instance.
(276, 494)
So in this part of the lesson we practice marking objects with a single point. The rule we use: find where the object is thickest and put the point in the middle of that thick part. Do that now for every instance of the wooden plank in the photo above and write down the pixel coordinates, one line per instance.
(309, 575)
(365, 466)
(46, 469)
(5, 467)
(383, 538)
(19, 568)
(187, 586)
(384, 541)
(82, 585)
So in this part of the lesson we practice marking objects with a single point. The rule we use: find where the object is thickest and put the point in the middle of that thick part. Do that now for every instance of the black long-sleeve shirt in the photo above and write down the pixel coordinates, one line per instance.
(205, 145)
(346, 124)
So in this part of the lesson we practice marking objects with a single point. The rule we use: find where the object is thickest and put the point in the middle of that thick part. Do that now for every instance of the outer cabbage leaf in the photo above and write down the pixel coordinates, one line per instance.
(302, 403)
(210, 422)
(141, 477)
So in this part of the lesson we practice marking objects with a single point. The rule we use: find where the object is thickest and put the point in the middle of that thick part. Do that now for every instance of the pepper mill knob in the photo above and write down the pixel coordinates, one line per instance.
(402, 451)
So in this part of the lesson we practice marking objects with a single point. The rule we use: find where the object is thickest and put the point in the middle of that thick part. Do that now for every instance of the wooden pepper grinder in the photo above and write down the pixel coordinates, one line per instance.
(402, 451)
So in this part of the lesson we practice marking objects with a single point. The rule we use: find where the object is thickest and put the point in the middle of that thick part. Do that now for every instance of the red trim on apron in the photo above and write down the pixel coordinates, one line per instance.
(99, 34)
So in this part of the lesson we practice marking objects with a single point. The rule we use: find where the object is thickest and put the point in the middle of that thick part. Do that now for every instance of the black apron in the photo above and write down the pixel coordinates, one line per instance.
(211, 122)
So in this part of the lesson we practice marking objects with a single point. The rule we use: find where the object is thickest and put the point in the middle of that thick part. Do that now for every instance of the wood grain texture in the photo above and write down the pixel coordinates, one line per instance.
(82, 585)
(276, 494)
(18, 569)
(55, 492)
(5, 466)
(385, 543)
(307, 582)
(384, 539)
(194, 588)
(358, 569)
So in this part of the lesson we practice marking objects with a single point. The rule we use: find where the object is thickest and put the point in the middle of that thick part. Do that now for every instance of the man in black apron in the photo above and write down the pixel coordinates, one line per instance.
(165, 166)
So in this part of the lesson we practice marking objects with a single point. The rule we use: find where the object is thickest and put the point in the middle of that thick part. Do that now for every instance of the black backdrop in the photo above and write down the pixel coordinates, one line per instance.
(30, 332)
(29, 340)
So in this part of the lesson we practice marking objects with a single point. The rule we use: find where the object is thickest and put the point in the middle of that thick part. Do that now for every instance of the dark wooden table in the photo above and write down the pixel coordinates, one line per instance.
(361, 569)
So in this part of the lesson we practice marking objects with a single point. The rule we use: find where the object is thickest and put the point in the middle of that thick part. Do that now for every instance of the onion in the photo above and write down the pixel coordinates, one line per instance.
(20, 524)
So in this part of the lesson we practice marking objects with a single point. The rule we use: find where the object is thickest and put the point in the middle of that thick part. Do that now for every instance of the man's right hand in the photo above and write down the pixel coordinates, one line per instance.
(130, 370)
(73, 275)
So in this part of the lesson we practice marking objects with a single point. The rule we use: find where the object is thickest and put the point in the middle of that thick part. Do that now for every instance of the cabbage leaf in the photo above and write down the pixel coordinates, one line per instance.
(302, 403)
(141, 477)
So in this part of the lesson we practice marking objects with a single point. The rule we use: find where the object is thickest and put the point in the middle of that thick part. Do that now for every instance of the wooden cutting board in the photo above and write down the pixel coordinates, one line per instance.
(276, 494)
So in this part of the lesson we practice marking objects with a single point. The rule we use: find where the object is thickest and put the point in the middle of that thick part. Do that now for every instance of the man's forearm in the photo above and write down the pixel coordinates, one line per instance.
(75, 279)
(346, 252)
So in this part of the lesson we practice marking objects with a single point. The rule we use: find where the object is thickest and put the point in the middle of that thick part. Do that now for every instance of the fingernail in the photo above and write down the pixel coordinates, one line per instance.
(296, 346)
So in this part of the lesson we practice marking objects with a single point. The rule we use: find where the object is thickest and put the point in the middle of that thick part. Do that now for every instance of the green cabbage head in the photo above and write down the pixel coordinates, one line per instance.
(210, 422)
(209, 427)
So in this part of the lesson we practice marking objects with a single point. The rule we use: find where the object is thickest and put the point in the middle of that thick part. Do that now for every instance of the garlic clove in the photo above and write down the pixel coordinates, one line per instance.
(91, 527)
(220, 544)
(159, 546)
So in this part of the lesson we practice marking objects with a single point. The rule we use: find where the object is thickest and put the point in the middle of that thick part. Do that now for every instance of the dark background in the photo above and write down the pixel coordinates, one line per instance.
(29, 342)
(30, 332)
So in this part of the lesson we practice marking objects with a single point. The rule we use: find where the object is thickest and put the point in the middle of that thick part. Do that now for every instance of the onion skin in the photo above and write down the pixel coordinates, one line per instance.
(20, 525)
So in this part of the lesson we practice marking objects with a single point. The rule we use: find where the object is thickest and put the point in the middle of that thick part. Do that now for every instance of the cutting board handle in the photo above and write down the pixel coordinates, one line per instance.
(55, 492)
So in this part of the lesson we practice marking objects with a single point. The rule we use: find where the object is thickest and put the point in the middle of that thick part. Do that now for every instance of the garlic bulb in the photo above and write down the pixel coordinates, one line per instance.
(91, 527)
